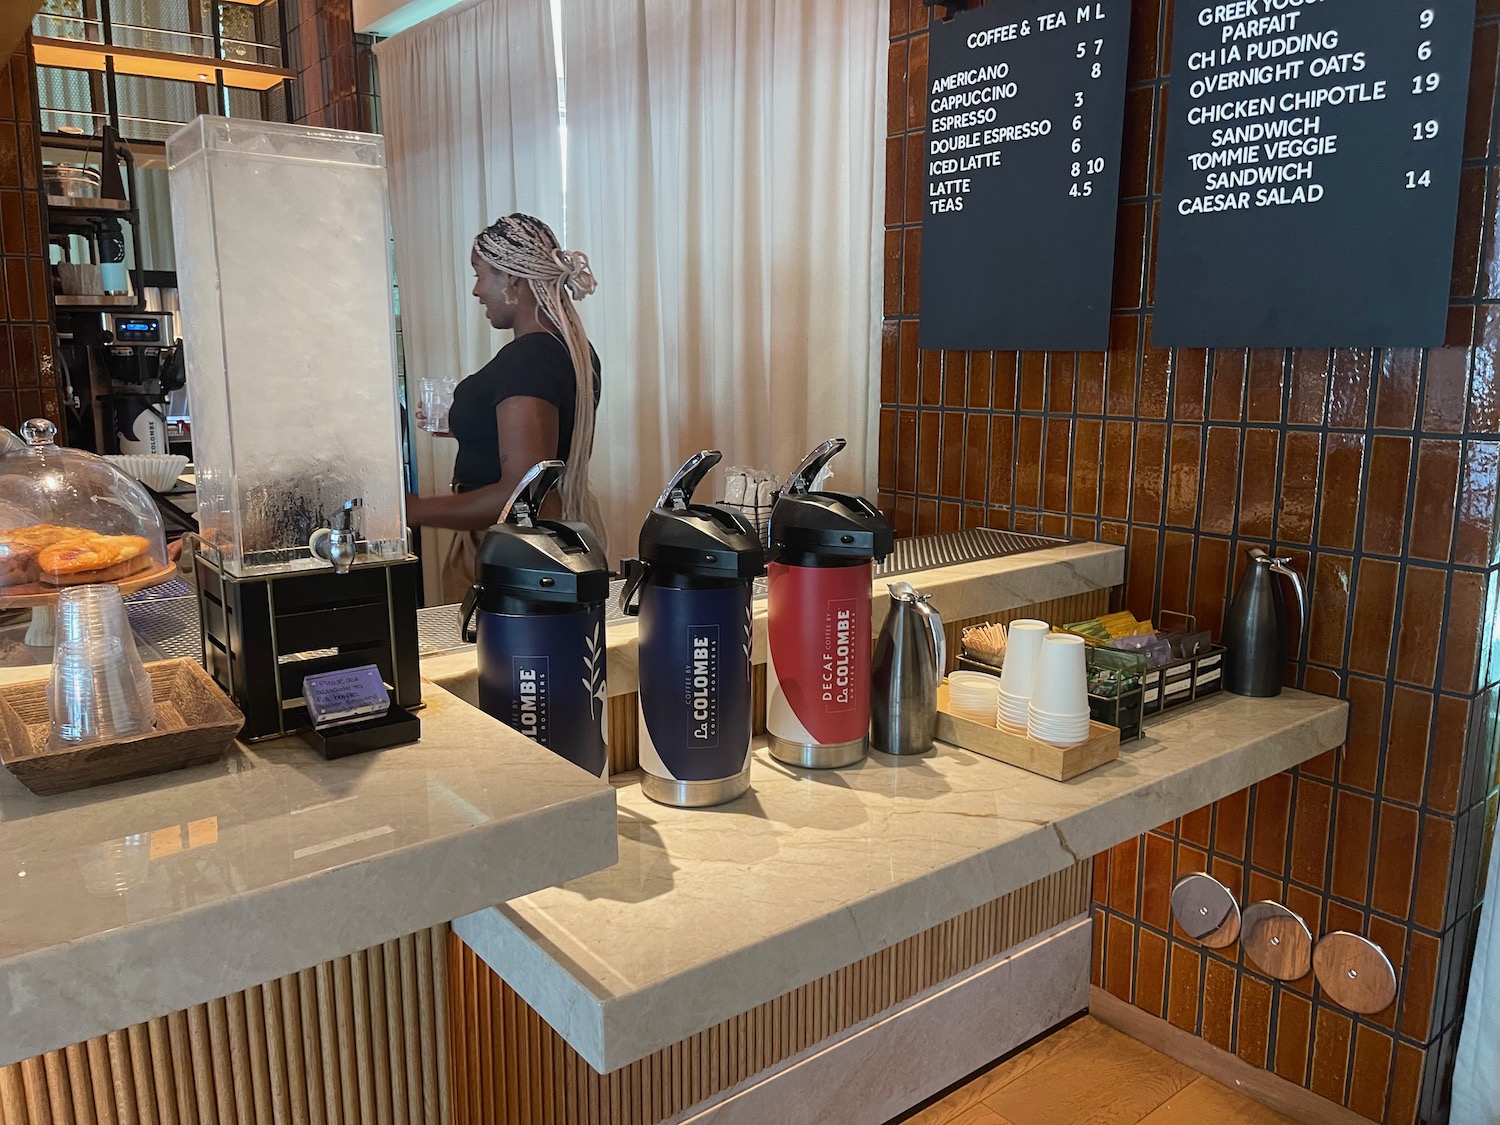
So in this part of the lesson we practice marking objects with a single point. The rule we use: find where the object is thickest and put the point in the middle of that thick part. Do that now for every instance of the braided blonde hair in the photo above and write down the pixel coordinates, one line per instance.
(525, 247)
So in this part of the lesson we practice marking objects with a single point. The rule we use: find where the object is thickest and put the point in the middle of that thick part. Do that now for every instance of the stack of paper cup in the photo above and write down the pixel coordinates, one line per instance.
(974, 696)
(1059, 710)
(1018, 673)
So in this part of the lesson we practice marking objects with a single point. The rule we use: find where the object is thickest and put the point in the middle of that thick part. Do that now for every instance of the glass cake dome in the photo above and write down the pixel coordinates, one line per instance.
(69, 518)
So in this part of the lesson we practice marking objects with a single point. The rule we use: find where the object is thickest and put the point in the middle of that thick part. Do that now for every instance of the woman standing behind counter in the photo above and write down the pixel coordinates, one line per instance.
(534, 401)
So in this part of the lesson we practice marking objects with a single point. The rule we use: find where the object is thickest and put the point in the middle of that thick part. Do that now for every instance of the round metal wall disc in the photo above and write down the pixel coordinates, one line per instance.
(1277, 941)
(1354, 972)
(1205, 910)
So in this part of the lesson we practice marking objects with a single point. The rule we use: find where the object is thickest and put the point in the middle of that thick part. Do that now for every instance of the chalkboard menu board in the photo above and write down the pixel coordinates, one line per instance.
(1025, 113)
(1312, 172)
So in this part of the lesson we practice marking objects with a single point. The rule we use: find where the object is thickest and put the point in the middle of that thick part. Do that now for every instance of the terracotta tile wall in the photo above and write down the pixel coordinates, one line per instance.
(27, 386)
(1375, 470)
(335, 83)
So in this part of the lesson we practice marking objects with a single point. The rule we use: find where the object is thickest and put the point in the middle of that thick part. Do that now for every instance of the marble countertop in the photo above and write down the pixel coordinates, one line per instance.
(128, 901)
(711, 912)
(960, 591)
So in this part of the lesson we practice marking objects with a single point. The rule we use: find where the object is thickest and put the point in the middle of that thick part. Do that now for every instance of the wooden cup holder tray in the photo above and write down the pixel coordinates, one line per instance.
(195, 724)
(1057, 762)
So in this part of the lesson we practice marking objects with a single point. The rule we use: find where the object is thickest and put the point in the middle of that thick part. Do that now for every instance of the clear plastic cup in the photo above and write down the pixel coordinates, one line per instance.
(437, 399)
(100, 689)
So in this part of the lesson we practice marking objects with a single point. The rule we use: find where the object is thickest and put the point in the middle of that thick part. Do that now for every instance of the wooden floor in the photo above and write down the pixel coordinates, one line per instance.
(1090, 1074)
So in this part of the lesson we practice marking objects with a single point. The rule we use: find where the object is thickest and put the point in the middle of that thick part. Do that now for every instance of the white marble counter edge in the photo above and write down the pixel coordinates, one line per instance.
(960, 591)
(54, 997)
(611, 1031)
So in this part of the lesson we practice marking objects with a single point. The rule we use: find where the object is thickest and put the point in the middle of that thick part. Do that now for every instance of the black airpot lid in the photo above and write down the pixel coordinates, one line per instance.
(541, 560)
(826, 524)
(705, 540)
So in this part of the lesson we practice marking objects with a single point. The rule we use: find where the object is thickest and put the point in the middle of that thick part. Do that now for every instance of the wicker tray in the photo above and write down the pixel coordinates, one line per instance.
(195, 723)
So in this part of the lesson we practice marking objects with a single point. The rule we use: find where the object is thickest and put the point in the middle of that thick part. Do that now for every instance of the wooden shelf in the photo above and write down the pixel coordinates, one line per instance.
(87, 301)
(79, 55)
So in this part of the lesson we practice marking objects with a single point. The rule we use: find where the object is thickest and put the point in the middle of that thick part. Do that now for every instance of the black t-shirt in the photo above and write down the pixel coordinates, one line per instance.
(536, 365)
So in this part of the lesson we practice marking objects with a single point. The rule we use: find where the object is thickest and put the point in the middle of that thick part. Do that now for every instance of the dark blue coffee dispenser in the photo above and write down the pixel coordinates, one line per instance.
(536, 610)
(692, 588)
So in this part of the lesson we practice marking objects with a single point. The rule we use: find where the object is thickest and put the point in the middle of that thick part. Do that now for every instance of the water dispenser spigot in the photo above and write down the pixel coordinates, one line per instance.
(339, 543)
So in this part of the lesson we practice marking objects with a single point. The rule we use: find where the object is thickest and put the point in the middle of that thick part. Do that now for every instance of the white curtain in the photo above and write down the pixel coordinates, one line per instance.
(469, 102)
(725, 177)
(1476, 1073)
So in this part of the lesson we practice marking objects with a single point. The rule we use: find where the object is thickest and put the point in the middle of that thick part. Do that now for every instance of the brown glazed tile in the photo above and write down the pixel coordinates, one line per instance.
(910, 364)
(1119, 459)
(951, 474)
(1474, 543)
(1140, 572)
(1447, 389)
(981, 379)
(1218, 1004)
(1309, 396)
(1362, 748)
(1349, 388)
(1253, 1020)
(1124, 865)
(1419, 984)
(1007, 366)
(1300, 483)
(1272, 819)
(1055, 479)
(1182, 991)
(1130, 256)
(1258, 472)
(1395, 860)
(887, 476)
(1231, 874)
(1464, 631)
(1324, 765)
(929, 449)
(974, 516)
(1330, 1061)
(1406, 1085)
(1101, 877)
(955, 379)
(1119, 366)
(1343, 466)
(1433, 505)
(1211, 584)
(1054, 524)
(1481, 94)
(18, 288)
(1311, 811)
(1033, 381)
(1324, 681)
(1156, 382)
(1227, 387)
(1231, 824)
(1385, 497)
(916, 83)
(911, 270)
(1156, 883)
(1353, 819)
(1434, 863)
(1196, 827)
(906, 451)
(1151, 456)
(930, 381)
(950, 515)
(1190, 385)
(1293, 1035)
(1370, 1075)
(1119, 956)
(927, 517)
(1421, 632)
(1221, 477)
(895, 180)
(12, 223)
(1088, 441)
(1089, 381)
(1396, 387)
(1135, 160)
(1267, 375)
(1484, 388)
(1374, 616)
(1330, 584)
(1406, 746)
(1264, 887)
(1341, 916)
(1080, 528)
(1151, 974)
(1096, 976)
(1175, 582)
(1468, 240)
(1190, 859)
(976, 457)
(916, 181)
(905, 521)
(1060, 381)
(890, 361)
(1002, 459)
(1183, 477)
(1445, 770)
(1028, 462)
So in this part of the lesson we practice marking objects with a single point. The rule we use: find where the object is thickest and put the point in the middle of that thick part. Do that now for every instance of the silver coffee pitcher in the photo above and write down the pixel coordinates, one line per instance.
(910, 657)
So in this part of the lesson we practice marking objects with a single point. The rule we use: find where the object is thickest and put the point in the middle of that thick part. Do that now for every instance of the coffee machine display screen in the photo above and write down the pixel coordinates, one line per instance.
(140, 330)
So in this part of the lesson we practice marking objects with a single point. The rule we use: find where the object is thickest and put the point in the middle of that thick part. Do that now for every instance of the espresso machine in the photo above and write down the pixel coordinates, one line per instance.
(302, 562)
(129, 364)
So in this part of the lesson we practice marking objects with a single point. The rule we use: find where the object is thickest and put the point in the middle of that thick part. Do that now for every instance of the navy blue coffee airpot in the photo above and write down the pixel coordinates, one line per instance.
(536, 611)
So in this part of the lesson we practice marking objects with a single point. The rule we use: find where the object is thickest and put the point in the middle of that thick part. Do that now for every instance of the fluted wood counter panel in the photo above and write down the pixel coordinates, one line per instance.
(624, 710)
(354, 1040)
(511, 1068)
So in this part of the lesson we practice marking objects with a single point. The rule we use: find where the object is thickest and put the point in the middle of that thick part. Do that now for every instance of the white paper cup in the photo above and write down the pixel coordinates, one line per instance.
(1021, 651)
